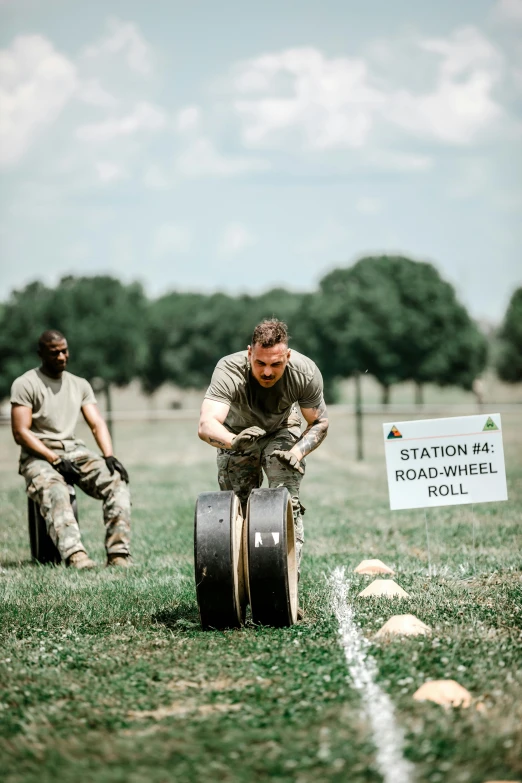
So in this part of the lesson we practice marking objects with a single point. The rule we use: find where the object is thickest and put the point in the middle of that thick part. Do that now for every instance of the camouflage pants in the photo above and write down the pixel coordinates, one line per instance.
(242, 471)
(48, 488)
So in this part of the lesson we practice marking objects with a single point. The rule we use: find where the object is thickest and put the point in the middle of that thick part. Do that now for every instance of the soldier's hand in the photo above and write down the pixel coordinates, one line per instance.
(68, 470)
(287, 458)
(114, 464)
(246, 438)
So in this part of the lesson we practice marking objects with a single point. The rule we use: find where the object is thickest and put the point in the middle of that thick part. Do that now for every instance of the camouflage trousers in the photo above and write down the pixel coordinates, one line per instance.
(242, 471)
(48, 488)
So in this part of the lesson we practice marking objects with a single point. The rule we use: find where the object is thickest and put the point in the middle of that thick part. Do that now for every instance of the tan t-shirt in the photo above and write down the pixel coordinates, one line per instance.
(272, 409)
(55, 403)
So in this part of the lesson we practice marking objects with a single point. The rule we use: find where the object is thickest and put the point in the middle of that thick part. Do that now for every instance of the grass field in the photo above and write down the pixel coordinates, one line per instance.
(107, 676)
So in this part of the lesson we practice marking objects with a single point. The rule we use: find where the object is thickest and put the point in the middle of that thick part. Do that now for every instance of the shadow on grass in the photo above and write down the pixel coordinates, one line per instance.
(184, 615)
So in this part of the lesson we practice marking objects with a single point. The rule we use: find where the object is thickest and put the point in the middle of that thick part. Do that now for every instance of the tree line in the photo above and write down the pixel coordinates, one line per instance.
(389, 316)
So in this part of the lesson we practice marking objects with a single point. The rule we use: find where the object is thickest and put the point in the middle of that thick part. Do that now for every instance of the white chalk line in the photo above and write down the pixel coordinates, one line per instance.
(386, 734)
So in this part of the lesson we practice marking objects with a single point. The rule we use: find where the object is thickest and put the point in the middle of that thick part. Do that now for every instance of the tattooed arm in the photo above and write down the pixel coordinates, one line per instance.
(211, 428)
(315, 433)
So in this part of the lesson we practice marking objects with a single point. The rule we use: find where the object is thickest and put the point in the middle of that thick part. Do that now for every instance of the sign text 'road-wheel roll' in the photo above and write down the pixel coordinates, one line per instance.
(443, 462)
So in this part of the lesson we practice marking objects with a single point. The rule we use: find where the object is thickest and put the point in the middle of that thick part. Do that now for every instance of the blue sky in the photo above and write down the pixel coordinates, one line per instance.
(236, 146)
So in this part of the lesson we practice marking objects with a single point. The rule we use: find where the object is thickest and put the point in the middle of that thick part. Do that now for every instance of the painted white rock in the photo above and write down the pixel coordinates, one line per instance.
(403, 625)
(383, 587)
(373, 567)
(446, 692)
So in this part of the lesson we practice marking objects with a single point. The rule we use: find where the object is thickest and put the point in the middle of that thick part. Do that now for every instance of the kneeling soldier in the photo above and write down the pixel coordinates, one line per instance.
(45, 404)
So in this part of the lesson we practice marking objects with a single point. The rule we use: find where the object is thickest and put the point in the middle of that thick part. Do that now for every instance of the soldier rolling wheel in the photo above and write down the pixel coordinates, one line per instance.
(218, 555)
(272, 565)
(252, 415)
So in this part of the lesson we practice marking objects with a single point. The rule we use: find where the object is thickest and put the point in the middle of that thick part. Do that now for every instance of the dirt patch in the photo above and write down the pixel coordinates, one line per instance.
(217, 685)
(180, 709)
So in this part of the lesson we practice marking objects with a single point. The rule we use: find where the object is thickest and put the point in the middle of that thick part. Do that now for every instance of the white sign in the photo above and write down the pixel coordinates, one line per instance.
(445, 462)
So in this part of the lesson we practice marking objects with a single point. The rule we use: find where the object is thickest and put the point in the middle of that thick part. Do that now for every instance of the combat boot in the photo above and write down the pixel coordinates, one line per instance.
(119, 559)
(80, 560)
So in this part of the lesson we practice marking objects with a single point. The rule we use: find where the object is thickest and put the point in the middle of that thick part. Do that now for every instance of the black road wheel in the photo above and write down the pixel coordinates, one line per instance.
(43, 549)
(272, 564)
(218, 556)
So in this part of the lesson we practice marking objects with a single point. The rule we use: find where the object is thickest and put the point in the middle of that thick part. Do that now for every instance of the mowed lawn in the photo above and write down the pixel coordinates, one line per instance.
(107, 676)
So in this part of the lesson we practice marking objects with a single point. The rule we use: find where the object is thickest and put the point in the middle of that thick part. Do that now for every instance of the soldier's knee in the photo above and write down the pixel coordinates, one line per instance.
(115, 487)
(59, 489)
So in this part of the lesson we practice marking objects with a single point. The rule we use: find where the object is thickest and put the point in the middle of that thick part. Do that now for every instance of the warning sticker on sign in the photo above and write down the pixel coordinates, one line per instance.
(443, 462)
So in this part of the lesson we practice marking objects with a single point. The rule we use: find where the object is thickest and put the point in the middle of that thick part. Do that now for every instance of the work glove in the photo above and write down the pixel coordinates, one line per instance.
(114, 464)
(246, 438)
(289, 459)
(68, 470)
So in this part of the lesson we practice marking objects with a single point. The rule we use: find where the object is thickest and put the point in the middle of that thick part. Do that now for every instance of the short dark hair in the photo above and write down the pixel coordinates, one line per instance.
(270, 332)
(49, 336)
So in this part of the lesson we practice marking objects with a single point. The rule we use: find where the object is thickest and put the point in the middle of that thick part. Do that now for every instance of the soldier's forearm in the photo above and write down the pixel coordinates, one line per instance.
(311, 438)
(27, 440)
(102, 437)
(215, 434)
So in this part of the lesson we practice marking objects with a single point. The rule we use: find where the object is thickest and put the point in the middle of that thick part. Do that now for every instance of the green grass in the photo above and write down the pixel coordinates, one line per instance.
(107, 676)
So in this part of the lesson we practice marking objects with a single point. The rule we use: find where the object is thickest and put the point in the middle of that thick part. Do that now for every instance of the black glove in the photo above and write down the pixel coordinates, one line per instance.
(114, 464)
(246, 438)
(288, 459)
(68, 470)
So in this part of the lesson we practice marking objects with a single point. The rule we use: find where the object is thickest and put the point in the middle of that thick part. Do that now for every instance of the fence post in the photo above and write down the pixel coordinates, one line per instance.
(358, 416)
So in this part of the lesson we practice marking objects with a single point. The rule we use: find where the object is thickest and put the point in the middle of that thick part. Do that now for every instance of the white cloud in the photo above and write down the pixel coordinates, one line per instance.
(236, 238)
(331, 101)
(109, 171)
(368, 205)
(36, 82)
(171, 239)
(464, 52)
(92, 93)
(188, 119)
(461, 105)
(144, 117)
(508, 10)
(301, 96)
(202, 159)
(123, 38)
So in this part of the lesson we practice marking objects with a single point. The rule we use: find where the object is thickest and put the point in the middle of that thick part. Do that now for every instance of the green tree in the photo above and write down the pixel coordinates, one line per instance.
(509, 364)
(398, 320)
(102, 319)
(188, 333)
(24, 317)
(280, 303)
(301, 312)
(105, 325)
